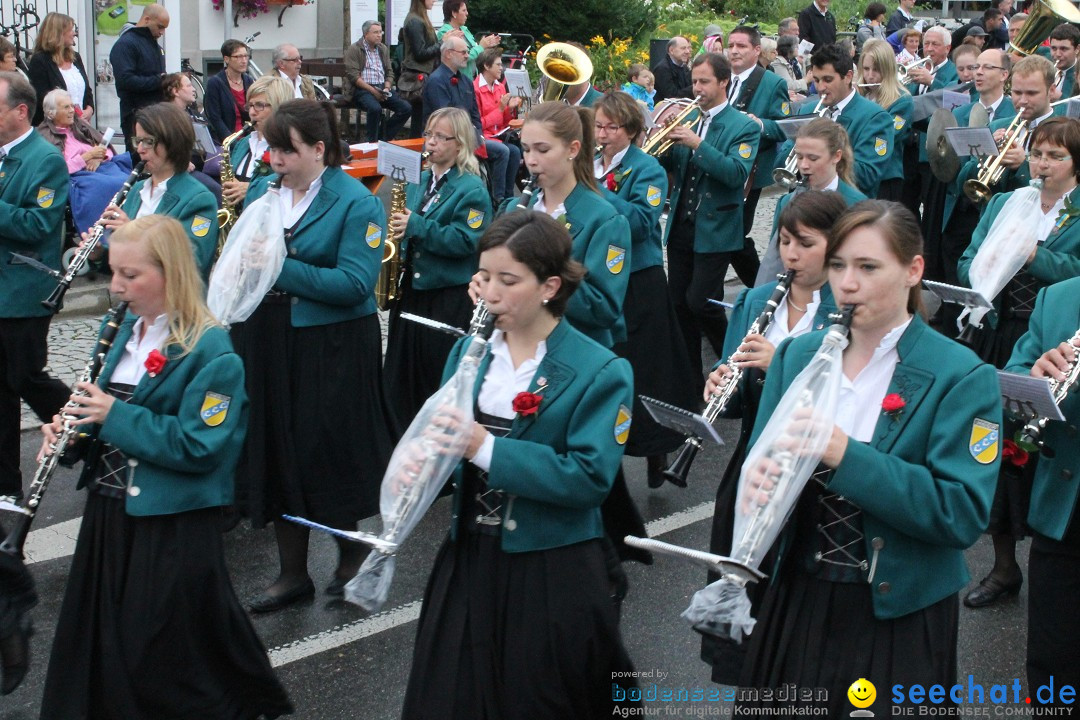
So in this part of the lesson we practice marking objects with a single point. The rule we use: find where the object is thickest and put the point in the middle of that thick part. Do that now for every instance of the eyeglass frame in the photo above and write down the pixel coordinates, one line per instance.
(148, 140)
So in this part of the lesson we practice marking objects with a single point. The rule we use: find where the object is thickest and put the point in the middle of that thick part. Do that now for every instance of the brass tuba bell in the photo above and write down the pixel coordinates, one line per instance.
(1043, 17)
(563, 65)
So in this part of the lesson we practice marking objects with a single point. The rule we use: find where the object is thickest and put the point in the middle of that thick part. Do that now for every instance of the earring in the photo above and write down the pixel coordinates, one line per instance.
(544, 301)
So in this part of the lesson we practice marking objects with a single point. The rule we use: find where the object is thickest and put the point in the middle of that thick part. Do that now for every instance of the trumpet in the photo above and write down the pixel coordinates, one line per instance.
(903, 70)
(659, 141)
(1030, 438)
(680, 467)
(788, 175)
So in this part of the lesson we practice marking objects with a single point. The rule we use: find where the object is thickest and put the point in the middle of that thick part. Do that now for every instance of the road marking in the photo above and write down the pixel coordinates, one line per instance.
(403, 614)
(54, 541)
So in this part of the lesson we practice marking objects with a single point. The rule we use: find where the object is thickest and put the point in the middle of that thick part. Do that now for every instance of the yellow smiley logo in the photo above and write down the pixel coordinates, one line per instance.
(862, 693)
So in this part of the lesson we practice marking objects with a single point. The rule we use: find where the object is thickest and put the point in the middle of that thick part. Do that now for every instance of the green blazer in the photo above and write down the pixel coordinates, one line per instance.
(591, 96)
(640, 188)
(970, 168)
(1054, 490)
(558, 465)
(1056, 259)
(870, 129)
(335, 251)
(441, 245)
(182, 431)
(601, 242)
(924, 494)
(769, 104)
(33, 199)
(187, 200)
(901, 111)
(719, 170)
(1010, 179)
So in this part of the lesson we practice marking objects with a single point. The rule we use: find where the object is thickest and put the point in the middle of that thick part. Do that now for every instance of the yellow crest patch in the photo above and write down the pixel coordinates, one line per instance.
(475, 219)
(622, 425)
(984, 441)
(785, 108)
(374, 235)
(200, 226)
(653, 196)
(881, 146)
(214, 409)
(45, 197)
(616, 258)
(898, 122)
(744, 151)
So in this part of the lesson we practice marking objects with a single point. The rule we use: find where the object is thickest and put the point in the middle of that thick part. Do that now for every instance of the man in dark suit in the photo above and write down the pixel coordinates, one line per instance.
(369, 81)
(673, 72)
(138, 63)
(817, 25)
(901, 18)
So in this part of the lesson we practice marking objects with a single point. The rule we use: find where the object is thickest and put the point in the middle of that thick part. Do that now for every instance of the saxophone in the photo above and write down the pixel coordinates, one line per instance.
(388, 286)
(227, 215)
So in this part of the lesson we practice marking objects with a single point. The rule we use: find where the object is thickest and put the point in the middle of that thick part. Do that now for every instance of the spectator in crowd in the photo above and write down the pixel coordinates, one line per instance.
(673, 71)
(179, 91)
(226, 92)
(55, 64)
(910, 40)
(787, 65)
(138, 63)
(768, 52)
(988, 22)
(455, 13)
(817, 24)
(8, 57)
(873, 25)
(287, 60)
(497, 109)
(369, 83)
(641, 85)
(901, 17)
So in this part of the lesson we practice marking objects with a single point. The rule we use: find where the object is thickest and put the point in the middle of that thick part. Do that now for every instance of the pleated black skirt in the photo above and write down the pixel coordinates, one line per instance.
(321, 431)
(657, 354)
(150, 628)
(416, 354)
(515, 636)
(820, 634)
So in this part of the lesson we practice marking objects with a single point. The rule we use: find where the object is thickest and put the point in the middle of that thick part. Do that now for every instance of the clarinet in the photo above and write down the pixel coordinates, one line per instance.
(13, 543)
(527, 191)
(1030, 437)
(679, 469)
(93, 239)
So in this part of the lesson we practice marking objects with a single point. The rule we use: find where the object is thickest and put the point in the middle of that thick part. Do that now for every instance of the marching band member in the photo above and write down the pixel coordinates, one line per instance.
(247, 153)
(635, 185)
(17, 598)
(518, 621)
(877, 65)
(312, 343)
(804, 226)
(1055, 156)
(869, 127)
(763, 97)
(1053, 630)
(557, 141)
(709, 168)
(873, 556)
(439, 230)
(164, 141)
(1063, 46)
(965, 58)
(150, 626)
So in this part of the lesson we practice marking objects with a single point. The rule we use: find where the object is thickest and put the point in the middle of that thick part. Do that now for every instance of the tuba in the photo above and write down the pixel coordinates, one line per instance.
(1043, 17)
(563, 65)
(227, 215)
(666, 119)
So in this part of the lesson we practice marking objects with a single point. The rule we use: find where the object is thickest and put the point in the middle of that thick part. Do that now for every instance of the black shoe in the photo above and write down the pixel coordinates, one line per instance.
(990, 589)
(656, 466)
(15, 652)
(336, 588)
(266, 602)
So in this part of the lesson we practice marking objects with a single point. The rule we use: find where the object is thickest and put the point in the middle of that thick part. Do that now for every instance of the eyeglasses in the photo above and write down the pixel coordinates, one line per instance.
(969, 68)
(463, 52)
(438, 136)
(1036, 156)
(260, 106)
(242, 56)
(989, 67)
(298, 58)
(148, 141)
(609, 128)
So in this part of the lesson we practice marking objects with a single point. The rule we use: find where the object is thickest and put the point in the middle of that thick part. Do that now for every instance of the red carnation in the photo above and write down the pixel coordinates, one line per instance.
(155, 361)
(609, 180)
(892, 404)
(420, 77)
(1014, 454)
(453, 81)
(266, 157)
(527, 403)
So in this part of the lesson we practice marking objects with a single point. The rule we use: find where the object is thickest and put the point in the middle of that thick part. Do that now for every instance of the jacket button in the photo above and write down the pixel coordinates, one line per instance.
(133, 462)
(1066, 474)
(292, 251)
(510, 525)
(877, 543)
(884, 588)
(416, 275)
(416, 254)
(296, 301)
(134, 491)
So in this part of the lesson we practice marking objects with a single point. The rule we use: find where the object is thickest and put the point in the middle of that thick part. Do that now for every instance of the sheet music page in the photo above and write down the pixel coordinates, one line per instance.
(398, 163)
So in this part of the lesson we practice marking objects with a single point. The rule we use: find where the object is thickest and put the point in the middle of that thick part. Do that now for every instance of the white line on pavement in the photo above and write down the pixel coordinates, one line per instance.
(54, 541)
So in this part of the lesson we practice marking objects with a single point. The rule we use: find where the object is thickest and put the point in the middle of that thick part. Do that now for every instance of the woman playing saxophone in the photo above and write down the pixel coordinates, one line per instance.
(246, 158)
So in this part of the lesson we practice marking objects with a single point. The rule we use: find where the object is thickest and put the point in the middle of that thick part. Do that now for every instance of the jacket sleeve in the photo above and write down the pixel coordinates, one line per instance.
(203, 206)
(38, 72)
(353, 277)
(869, 163)
(353, 60)
(183, 442)
(770, 129)
(598, 301)
(725, 165)
(582, 476)
(28, 222)
(216, 95)
(421, 49)
(130, 76)
(453, 238)
(1052, 265)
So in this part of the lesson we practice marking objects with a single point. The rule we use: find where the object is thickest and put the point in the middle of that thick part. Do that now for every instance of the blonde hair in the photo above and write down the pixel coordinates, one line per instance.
(166, 245)
(884, 60)
(50, 37)
(465, 134)
(835, 138)
(276, 89)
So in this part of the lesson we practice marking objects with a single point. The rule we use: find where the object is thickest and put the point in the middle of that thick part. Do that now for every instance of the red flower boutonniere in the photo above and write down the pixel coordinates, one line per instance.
(420, 77)
(609, 181)
(453, 81)
(265, 157)
(155, 361)
(527, 403)
(893, 404)
(1014, 454)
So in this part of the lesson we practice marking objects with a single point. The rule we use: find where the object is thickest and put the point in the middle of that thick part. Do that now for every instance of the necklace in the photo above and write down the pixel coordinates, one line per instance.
(794, 306)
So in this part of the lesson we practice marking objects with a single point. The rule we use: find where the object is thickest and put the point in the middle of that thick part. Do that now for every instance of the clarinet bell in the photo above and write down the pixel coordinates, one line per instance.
(968, 335)
(679, 470)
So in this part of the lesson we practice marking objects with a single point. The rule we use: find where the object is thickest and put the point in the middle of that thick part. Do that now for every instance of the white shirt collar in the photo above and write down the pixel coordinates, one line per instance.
(482, 81)
(844, 103)
(834, 185)
(587, 89)
(708, 118)
(295, 83)
(11, 145)
(539, 206)
(598, 163)
(992, 107)
(132, 364)
(291, 214)
(745, 74)
(859, 408)
(821, 12)
(151, 196)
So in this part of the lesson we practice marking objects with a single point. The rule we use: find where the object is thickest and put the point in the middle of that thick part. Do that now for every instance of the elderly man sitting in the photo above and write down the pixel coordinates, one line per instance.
(287, 60)
(96, 173)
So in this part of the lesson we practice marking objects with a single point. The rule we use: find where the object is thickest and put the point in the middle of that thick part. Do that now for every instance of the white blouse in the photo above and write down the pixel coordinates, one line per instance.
(132, 366)
(778, 328)
(860, 399)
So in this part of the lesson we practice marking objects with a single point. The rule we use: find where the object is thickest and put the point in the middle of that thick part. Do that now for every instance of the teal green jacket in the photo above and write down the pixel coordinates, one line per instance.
(924, 494)
(590, 98)
(1067, 86)
(558, 465)
(640, 188)
(187, 200)
(751, 302)
(851, 196)
(719, 170)
(870, 129)
(1054, 490)
(182, 431)
(441, 244)
(335, 251)
(33, 199)
(769, 104)
(601, 242)
(901, 111)
(1056, 259)
(970, 168)
(1010, 179)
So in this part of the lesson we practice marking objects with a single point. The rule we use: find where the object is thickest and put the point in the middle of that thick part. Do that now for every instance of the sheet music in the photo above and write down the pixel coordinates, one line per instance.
(203, 139)
(971, 142)
(959, 295)
(517, 82)
(791, 126)
(1027, 396)
(951, 99)
(398, 163)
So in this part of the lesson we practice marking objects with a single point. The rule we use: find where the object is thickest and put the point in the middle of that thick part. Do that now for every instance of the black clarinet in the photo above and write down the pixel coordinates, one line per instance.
(13, 543)
(93, 239)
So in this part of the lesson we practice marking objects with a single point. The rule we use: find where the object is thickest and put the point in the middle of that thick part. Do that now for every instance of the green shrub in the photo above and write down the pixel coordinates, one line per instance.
(563, 20)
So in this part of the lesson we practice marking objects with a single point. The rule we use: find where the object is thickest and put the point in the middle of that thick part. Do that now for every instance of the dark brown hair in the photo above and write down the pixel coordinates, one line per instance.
(813, 209)
(313, 121)
(541, 244)
(171, 84)
(1063, 132)
(721, 68)
(487, 58)
(623, 110)
(171, 127)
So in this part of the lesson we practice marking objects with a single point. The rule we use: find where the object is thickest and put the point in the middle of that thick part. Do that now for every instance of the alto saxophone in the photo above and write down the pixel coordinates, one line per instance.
(227, 215)
(388, 286)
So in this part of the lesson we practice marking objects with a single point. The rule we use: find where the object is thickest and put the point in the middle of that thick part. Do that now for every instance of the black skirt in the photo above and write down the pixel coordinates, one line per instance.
(416, 354)
(515, 636)
(658, 356)
(320, 432)
(150, 628)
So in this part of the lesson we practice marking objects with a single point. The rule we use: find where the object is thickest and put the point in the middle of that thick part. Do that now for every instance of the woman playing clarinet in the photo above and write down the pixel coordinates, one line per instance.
(444, 217)
(518, 621)
(869, 565)
(150, 626)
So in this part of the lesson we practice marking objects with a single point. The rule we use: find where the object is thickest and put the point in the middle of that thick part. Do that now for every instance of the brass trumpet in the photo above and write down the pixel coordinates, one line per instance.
(787, 176)
(903, 70)
(658, 140)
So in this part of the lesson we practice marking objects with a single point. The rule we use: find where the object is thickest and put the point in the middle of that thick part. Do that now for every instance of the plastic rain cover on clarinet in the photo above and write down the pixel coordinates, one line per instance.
(790, 447)
(250, 261)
